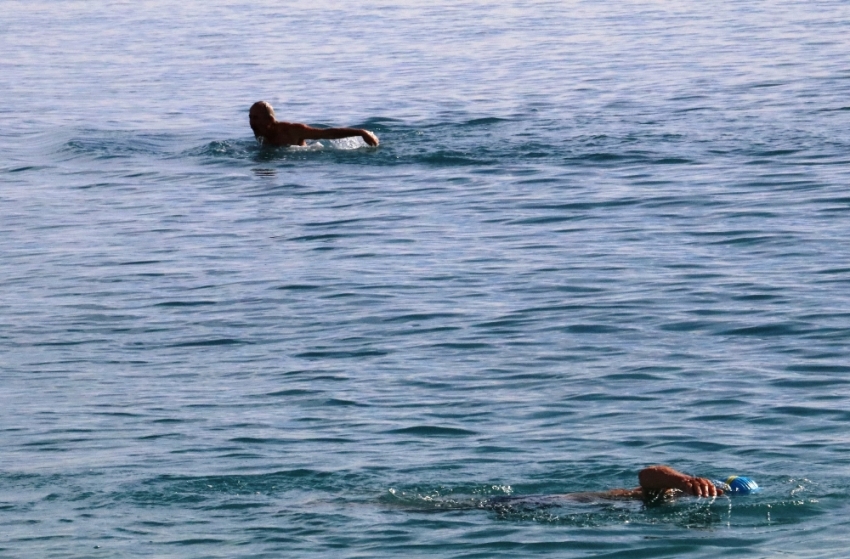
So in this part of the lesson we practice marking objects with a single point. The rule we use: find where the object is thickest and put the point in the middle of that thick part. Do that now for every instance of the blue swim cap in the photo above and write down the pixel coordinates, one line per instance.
(741, 485)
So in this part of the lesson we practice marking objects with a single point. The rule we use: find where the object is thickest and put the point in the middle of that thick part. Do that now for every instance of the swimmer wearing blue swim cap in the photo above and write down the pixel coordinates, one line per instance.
(658, 484)
(662, 483)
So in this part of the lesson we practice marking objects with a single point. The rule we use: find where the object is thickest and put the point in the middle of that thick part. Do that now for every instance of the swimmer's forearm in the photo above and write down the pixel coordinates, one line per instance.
(665, 477)
(332, 133)
(661, 477)
(338, 133)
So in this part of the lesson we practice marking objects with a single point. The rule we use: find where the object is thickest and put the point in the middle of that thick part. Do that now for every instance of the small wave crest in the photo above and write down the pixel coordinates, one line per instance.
(99, 144)
(225, 149)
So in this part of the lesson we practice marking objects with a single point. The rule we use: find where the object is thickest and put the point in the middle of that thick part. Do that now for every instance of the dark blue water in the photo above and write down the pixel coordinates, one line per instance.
(595, 236)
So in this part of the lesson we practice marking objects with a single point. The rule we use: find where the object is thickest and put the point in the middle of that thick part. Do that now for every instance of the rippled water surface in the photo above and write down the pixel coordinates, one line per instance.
(596, 236)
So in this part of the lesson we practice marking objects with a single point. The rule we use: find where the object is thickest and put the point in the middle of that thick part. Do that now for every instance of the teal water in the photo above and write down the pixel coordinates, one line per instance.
(596, 236)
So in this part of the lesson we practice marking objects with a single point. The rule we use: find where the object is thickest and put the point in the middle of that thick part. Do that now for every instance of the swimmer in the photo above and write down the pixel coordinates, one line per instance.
(657, 483)
(276, 133)
(664, 482)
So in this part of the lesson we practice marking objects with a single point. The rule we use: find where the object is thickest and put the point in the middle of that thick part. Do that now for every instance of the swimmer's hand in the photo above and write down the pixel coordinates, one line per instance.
(700, 487)
(369, 138)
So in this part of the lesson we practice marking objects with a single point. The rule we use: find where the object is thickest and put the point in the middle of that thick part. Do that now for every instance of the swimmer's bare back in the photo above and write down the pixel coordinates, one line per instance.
(277, 133)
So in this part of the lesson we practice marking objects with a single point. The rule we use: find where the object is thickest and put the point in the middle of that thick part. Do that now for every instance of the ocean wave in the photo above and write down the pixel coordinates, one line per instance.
(481, 142)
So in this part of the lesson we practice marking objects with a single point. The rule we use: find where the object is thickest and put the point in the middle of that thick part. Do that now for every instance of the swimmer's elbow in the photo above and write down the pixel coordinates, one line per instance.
(658, 477)
(645, 476)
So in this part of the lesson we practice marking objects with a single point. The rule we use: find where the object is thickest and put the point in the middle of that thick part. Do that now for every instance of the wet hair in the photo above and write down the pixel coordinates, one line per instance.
(262, 106)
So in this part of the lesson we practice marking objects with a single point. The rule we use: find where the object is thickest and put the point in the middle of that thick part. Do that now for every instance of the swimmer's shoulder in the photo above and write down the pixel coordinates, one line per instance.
(286, 134)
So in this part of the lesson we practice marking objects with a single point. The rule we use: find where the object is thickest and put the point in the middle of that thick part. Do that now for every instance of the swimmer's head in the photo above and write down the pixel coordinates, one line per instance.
(741, 485)
(261, 116)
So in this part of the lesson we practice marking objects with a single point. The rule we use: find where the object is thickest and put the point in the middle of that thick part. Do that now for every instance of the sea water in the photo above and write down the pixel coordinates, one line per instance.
(595, 236)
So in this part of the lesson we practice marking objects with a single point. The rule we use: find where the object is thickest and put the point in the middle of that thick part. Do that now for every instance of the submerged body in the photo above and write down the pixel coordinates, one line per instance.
(277, 133)
(657, 483)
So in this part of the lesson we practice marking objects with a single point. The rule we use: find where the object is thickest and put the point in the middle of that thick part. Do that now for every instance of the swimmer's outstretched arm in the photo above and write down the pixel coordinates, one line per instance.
(310, 133)
(656, 478)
